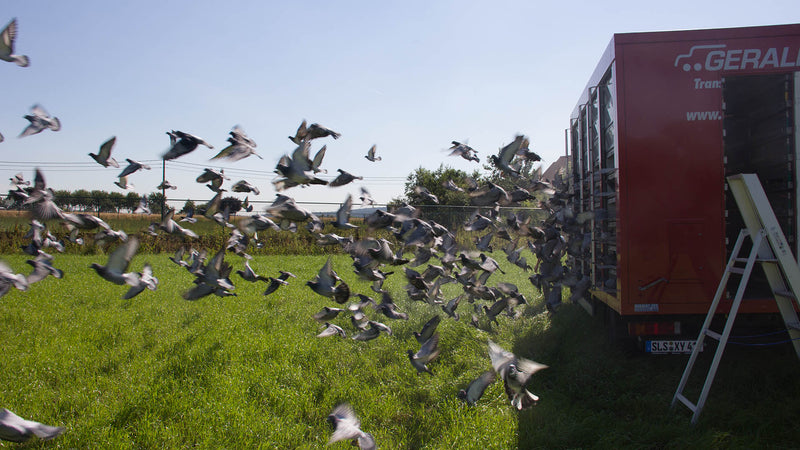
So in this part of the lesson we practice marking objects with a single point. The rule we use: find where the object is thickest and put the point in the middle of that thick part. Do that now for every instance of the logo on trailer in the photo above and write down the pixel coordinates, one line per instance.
(717, 57)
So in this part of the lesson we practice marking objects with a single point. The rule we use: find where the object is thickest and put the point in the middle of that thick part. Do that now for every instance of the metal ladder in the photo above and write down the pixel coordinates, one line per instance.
(780, 267)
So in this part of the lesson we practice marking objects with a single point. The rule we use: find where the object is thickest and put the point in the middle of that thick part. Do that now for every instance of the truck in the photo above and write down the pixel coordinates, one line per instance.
(664, 118)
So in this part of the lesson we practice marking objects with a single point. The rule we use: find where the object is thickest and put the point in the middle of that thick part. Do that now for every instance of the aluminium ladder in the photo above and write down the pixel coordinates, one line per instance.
(772, 251)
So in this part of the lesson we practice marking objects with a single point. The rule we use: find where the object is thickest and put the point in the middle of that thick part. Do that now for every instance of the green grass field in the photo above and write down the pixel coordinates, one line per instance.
(157, 371)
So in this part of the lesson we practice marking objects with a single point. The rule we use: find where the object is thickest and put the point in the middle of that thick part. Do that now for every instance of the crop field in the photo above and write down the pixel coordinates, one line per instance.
(157, 371)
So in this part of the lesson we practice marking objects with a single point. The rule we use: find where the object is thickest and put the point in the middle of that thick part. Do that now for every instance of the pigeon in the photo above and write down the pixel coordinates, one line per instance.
(140, 281)
(371, 155)
(516, 373)
(332, 330)
(7, 39)
(42, 267)
(464, 151)
(248, 274)
(241, 146)
(103, 157)
(300, 134)
(343, 215)
(123, 183)
(426, 354)
(502, 160)
(39, 120)
(118, 261)
(9, 279)
(315, 131)
(476, 388)
(14, 428)
(166, 185)
(347, 427)
(133, 166)
(343, 178)
(182, 143)
(275, 283)
(244, 186)
(428, 329)
(366, 198)
(327, 313)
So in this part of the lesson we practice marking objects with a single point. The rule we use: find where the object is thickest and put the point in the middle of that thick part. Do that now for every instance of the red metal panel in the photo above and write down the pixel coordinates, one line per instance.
(671, 170)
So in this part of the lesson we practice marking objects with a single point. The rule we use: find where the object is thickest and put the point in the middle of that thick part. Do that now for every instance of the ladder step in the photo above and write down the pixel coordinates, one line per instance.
(713, 335)
(736, 270)
(786, 294)
(686, 402)
(764, 260)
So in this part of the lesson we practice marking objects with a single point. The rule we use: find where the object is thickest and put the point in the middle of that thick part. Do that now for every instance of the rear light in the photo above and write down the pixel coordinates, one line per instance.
(654, 328)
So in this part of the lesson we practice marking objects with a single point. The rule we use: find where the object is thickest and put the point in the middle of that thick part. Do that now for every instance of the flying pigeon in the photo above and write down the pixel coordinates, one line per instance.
(464, 151)
(182, 143)
(132, 167)
(103, 157)
(516, 372)
(347, 427)
(371, 155)
(39, 121)
(7, 38)
(426, 354)
(118, 261)
(140, 281)
(476, 388)
(241, 146)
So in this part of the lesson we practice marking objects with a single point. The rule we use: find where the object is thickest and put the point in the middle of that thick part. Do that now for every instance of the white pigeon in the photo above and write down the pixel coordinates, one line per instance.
(348, 427)
(39, 120)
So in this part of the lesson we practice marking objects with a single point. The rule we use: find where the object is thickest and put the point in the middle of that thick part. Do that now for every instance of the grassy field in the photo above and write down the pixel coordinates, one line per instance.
(157, 371)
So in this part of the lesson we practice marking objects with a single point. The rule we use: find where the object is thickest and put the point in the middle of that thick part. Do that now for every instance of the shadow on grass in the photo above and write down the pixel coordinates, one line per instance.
(596, 395)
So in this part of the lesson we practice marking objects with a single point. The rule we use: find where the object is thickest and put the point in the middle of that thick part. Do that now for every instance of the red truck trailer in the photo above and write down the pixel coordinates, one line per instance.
(665, 117)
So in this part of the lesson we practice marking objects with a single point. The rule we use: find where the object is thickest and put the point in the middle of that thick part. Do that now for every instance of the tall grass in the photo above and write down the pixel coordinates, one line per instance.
(247, 371)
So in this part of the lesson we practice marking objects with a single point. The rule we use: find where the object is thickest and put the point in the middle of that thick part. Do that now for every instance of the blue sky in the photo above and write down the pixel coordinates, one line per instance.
(408, 77)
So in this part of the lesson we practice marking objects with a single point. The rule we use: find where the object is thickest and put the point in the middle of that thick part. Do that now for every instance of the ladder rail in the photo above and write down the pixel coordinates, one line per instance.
(709, 318)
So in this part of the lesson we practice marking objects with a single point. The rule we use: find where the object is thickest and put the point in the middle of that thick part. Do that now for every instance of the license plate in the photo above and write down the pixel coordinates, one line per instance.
(669, 346)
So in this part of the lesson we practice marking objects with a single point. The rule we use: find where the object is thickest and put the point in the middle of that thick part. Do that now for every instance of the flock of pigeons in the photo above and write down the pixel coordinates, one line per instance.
(372, 258)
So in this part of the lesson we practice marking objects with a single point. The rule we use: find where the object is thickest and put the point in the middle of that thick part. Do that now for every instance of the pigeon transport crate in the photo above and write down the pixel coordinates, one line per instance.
(665, 117)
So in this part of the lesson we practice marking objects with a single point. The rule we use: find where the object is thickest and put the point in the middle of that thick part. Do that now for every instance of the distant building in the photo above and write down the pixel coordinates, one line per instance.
(558, 168)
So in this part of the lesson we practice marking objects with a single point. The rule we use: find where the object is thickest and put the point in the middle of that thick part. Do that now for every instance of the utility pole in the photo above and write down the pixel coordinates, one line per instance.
(163, 188)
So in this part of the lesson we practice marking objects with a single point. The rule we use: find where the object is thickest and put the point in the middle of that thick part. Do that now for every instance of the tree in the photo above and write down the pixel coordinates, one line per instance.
(155, 200)
(99, 201)
(116, 201)
(81, 199)
(62, 198)
(233, 204)
(131, 201)
(188, 206)
(434, 181)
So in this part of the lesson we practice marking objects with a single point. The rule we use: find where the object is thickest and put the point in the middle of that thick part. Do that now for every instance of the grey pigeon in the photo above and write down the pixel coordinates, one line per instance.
(132, 167)
(244, 186)
(39, 120)
(327, 313)
(371, 155)
(9, 279)
(502, 160)
(103, 156)
(343, 215)
(183, 143)
(428, 329)
(516, 372)
(427, 353)
(332, 330)
(140, 281)
(241, 146)
(343, 178)
(476, 387)
(316, 130)
(347, 427)
(7, 39)
(42, 267)
(14, 428)
(118, 261)
(123, 183)
(275, 283)
(300, 134)
(464, 151)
